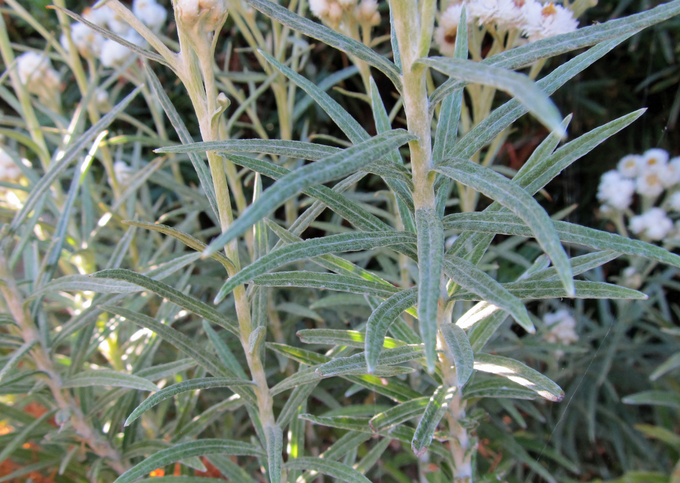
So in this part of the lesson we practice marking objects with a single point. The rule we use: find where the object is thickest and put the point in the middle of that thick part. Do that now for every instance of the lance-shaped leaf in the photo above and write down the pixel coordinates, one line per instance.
(398, 355)
(345, 242)
(333, 469)
(185, 450)
(508, 194)
(553, 289)
(495, 388)
(328, 37)
(16, 358)
(509, 224)
(325, 281)
(381, 319)
(654, 398)
(173, 295)
(434, 412)
(430, 260)
(398, 414)
(190, 385)
(108, 377)
(579, 265)
(516, 84)
(85, 283)
(473, 279)
(461, 351)
(277, 147)
(274, 437)
(330, 168)
(520, 374)
(349, 338)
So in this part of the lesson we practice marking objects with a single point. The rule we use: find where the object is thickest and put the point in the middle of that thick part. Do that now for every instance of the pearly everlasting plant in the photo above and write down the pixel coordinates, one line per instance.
(224, 317)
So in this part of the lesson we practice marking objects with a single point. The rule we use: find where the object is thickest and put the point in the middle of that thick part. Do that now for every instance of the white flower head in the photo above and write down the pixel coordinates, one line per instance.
(485, 11)
(543, 21)
(631, 278)
(367, 13)
(335, 13)
(124, 173)
(649, 184)
(674, 201)
(654, 160)
(629, 166)
(561, 329)
(9, 171)
(347, 4)
(654, 224)
(115, 54)
(201, 16)
(150, 12)
(319, 8)
(36, 73)
(87, 41)
(615, 190)
(445, 33)
(510, 14)
(670, 175)
(98, 16)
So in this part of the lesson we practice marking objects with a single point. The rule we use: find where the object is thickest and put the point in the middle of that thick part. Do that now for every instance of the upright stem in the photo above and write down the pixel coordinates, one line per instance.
(29, 332)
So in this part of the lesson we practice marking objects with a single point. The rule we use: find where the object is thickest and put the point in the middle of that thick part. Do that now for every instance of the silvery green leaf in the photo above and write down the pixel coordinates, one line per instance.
(298, 354)
(430, 260)
(183, 479)
(256, 339)
(108, 377)
(57, 168)
(274, 452)
(338, 300)
(324, 281)
(579, 265)
(473, 279)
(373, 456)
(357, 362)
(654, 398)
(185, 450)
(190, 385)
(175, 296)
(672, 363)
(324, 85)
(296, 400)
(20, 437)
(277, 147)
(380, 321)
(516, 84)
(79, 283)
(513, 197)
(434, 412)
(202, 170)
(185, 238)
(461, 351)
(223, 351)
(349, 338)
(303, 376)
(15, 358)
(484, 329)
(345, 242)
(343, 422)
(333, 469)
(328, 36)
(509, 224)
(330, 168)
(162, 371)
(520, 374)
(398, 414)
(549, 289)
(497, 389)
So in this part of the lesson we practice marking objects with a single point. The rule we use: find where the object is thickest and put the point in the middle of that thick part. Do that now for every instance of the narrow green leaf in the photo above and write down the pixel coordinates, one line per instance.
(672, 363)
(356, 363)
(654, 398)
(328, 37)
(327, 82)
(380, 321)
(331, 468)
(330, 168)
(495, 388)
(314, 247)
(509, 224)
(274, 452)
(430, 261)
(461, 351)
(501, 189)
(579, 265)
(15, 358)
(473, 279)
(108, 377)
(79, 283)
(520, 374)
(277, 147)
(190, 385)
(434, 412)
(546, 289)
(23, 435)
(349, 338)
(516, 84)
(185, 450)
(175, 296)
(223, 351)
(324, 281)
(398, 414)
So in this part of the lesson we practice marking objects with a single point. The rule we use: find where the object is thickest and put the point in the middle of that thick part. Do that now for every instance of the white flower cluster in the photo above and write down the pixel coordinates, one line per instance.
(37, 74)
(561, 329)
(9, 171)
(92, 44)
(333, 12)
(649, 175)
(535, 20)
(124, 173)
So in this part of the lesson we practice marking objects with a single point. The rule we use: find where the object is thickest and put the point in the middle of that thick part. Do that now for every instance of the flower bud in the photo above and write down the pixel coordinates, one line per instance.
(201, 16)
